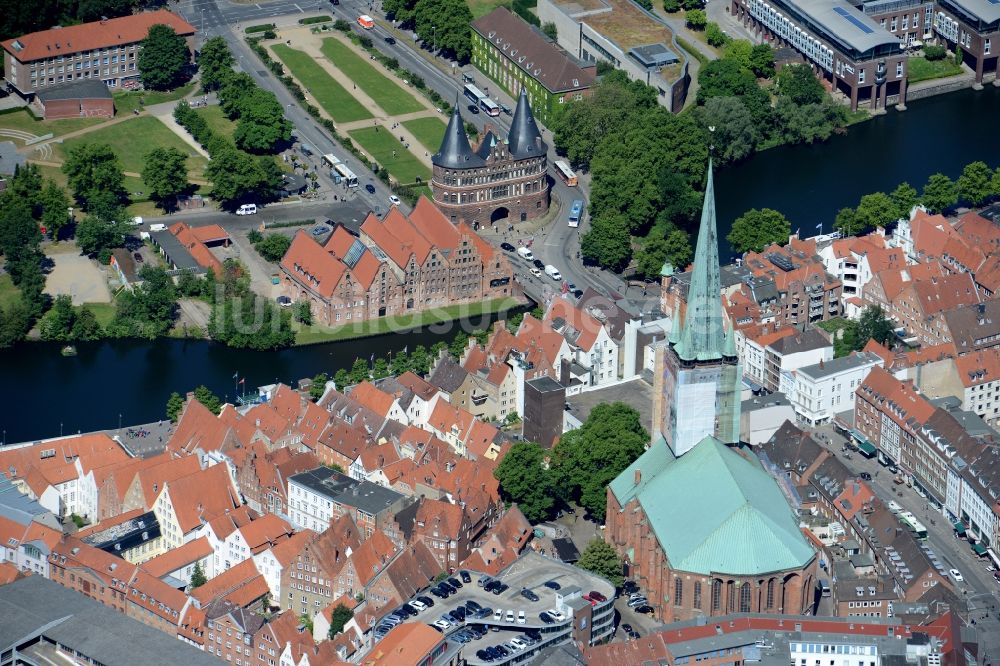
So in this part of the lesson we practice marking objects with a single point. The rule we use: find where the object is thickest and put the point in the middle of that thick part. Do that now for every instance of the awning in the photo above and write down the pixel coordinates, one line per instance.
(979, 549)
(960, 528)
(867, 448)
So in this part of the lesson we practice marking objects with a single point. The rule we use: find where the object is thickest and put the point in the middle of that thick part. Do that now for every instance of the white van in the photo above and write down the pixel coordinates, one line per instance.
(157, 227)
(136, 221)
(525, 254)
(247, 209)
(553, 272)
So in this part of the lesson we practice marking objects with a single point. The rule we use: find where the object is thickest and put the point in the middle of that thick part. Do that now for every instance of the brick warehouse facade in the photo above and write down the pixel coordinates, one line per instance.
(496, 181)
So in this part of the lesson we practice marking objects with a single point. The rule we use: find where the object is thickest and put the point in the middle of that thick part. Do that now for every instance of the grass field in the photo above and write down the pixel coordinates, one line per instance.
(9, 294)
(429, 132)
(393, 99)
(484, 7)
(328, 93)
(103, 312)
(21, 120)
(922, 69)
(216, 120)
(133, 139)
(127, 101)
(380, 144)
(307, 335)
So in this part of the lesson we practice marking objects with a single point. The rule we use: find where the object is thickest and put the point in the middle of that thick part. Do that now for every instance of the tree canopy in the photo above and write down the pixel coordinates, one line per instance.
(756, 229)
(874, 325)
(443, 24)
(876, 210)
(600, 558)
(975, 183)
(798, 82)
(525, 478)
(164, 59)
(215, 63)
(93, 169)
(340, 616)
(165, 174)
(940, 193)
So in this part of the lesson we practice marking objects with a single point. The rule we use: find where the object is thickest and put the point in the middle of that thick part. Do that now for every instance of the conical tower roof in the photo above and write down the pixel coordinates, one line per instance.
(455, 151)
(525, 139)
(703, 337)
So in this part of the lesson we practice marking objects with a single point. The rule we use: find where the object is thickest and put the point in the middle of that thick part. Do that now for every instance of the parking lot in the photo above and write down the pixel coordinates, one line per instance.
(512, 614)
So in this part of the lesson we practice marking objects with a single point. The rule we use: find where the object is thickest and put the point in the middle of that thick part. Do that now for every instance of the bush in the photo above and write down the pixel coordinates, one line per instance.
(714, 35)
(316, 19)
(365, 41)
(342, 25)
(696, 19)
(259, 28)
(270, 34)
(935, 52)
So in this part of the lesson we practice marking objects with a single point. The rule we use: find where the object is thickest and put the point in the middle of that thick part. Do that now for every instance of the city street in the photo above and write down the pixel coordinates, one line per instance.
(954, 552)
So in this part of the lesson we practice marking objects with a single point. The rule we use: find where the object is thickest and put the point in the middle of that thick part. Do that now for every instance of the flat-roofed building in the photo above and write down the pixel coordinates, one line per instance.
(625, 36)
(848, 49)
(973, 25)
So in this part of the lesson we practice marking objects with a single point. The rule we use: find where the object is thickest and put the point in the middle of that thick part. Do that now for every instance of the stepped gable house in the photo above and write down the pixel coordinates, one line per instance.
(500, 178)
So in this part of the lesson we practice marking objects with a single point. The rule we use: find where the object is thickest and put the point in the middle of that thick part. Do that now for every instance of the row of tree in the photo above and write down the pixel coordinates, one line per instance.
(578, 469)
(441, 24)
(18, 17)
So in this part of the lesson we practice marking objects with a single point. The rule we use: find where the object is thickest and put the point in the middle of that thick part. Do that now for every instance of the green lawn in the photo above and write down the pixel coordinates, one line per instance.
(22, 120)
(394, 100)
(922, 69)
(103, 312)
(308, 335)
(127, 101)
(484, 7)
(380, 144)
(133, 139)
(217, 121)
(324, 88)
(429, 131)
(9, 294)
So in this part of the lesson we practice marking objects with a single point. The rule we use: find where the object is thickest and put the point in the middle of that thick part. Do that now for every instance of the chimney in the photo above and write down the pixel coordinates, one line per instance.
(638, 476)
(821, 364)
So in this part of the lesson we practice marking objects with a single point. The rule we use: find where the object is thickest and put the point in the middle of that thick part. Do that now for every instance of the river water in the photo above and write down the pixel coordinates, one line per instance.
(42, 392)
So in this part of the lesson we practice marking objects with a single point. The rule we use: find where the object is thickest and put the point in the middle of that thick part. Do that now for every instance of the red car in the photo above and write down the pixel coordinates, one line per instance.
(597, 596)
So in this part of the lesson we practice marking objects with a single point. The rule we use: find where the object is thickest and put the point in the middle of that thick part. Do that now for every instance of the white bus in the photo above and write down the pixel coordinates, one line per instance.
(489, 107)
(346, 175)
(567, 174)
(474, 94)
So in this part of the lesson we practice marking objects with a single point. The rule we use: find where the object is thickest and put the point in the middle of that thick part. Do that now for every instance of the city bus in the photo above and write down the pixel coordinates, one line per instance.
(489, 107)
(576, 213)
(346, 175)
(474, 94)
(567, 174)
(918, 529)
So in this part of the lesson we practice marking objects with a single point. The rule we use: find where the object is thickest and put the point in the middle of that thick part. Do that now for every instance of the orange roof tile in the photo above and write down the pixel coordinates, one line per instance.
(285, 551)
(187, 237)
(8, 573)
(409, 644)
(265, 532)
(588, 327)
(418, 385)
(209, 233)
(372, 556)
(946, 292)
(980, 367)
(225, 583)
(54, 459)
(368, 395)
(201, 496)
(178, 558)
(308, 262)
(95, 35)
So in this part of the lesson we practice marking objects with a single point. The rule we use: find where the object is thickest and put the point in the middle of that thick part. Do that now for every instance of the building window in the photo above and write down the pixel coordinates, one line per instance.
(745, 598)
(986, 46)
(697, 594)
(861, 76)
(716, 594)
(770, 593)
(678, 591)
(899, 75)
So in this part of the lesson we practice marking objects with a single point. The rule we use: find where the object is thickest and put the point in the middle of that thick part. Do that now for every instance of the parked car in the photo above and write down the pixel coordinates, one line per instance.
(441, 624)
(418, 605)
(627, 628)
(529, 595)
(634, 603)
(520, 617)
(370, 188)
(454, 582)
(459, 614)
(957, 575)
(506, 247)
(534, 271)
(539, 264)
(546, 618)
(552, 585)
(594, 594)
(484, 581)
(465, 576)
(633, 635)
(247, 209)
(503, 588)
(628, 587)
(556, 615)
(865, 476)
(426, 601)
(472, 606)
(390, 40)
(497, 615)
(645, 610)
(509, 617)
(393, 199)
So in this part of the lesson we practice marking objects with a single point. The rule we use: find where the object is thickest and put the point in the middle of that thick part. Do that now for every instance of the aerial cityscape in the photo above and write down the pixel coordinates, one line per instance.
(489, 332)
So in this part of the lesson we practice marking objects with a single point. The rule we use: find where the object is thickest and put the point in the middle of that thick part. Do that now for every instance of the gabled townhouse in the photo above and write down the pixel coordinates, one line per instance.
(247, 538)
(922, 236)
(791, 285)
(219, 529)
(889, 414)
(262, 475)
(502, 544)
(180, 563)
(58, 473)
(148, 481)
(308, 580)
(242, 585)
(396, 264)
(362, 566)
(594, 360)
(751, 341)
(184, 505)
(445, 528)
(27, 547)
(370, 463)
(133, 536)
(979, 374)
(414, 394)
(974, 327)
(284, 641)
(467, 435)
(493, 385)
(231, 630)
(854, 260)
(272, 562)
(410, 571)
(200, 431)
(378, 401)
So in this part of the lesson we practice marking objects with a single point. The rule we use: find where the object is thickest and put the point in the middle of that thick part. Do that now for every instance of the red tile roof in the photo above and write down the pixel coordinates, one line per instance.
(187, 237)
(309, 263)
(54, 459)
(201, 496)
(368, 395)
(224, 584)
(95, 35)
(980, 367)
(409, 644)
(178, 558)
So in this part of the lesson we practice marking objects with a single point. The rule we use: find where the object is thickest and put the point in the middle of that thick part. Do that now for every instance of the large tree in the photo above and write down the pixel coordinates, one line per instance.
(726, 78)
(590, 457)
(235, 175)
(215, 63)
(273, 247)
(762, 60)
(975, 183)
(93, 170)
(164, 59)
(600, 558)
(735, 134)
(524, 478)
(940, 193)
(905, 198)
(340, 616)
(876, 210)
(55, 208)
(607, 243)
(874, 325)
(756, 229)
(262, 123)
(799, 83)
(847, 222)
(674, 247)
(445, 25)
(165, 173)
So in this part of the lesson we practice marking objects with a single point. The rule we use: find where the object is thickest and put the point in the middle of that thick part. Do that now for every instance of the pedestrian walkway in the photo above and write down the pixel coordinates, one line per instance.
(302, 39)
(165, 114)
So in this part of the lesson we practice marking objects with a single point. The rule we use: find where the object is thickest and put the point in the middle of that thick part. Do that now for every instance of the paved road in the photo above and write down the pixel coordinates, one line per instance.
(940, 536)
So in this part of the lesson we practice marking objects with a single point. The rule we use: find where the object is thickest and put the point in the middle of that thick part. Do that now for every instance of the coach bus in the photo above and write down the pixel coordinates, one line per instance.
(575, 213)
(567, 174)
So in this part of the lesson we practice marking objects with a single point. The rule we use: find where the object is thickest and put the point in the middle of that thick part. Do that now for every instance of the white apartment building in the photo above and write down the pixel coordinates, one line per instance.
(827, 388)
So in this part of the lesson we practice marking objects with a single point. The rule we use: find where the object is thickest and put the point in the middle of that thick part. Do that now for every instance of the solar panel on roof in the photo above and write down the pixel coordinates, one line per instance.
(354, 253)
(853, 19)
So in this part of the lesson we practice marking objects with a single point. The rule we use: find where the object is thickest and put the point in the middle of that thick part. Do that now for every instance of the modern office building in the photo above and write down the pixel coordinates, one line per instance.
(503, 179)
(517, 56)
(853, 53)
(106, 50)
(696, 371)
(973, 25)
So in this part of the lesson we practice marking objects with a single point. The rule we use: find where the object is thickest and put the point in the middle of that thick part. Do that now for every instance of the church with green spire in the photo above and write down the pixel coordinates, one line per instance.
(696, 373)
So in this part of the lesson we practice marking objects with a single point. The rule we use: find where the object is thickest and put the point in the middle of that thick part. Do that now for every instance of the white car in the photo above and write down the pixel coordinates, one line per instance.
(497, 615)
(519, 642)
(957, 575)
(535, 272)
(393, 199)
(247, 209)
(510, 616)
(520, 617)
(418, 605)
(557, 615)
(441, 624)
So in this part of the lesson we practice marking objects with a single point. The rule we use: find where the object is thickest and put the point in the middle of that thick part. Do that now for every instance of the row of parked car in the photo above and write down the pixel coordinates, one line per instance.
(513, 646)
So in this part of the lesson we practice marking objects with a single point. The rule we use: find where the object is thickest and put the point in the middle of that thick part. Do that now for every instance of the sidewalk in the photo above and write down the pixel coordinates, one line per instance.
(165, 114)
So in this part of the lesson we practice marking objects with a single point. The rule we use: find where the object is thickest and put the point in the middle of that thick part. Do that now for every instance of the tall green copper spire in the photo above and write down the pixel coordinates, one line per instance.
(703, 335)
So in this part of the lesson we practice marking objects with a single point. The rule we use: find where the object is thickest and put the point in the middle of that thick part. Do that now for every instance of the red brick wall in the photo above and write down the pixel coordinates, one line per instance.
(77, 108)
